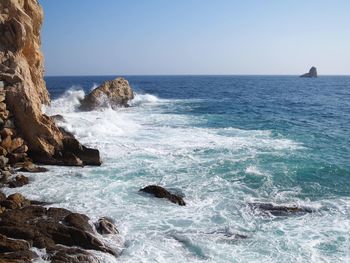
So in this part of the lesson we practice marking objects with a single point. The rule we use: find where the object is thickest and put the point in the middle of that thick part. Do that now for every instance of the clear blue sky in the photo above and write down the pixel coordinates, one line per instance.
(114, 37)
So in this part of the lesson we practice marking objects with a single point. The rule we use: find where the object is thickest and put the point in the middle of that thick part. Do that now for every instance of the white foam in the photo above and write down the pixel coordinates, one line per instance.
(151, 143)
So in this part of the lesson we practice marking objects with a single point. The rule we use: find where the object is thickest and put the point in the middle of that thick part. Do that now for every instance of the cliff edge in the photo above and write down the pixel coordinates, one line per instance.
(21, 75)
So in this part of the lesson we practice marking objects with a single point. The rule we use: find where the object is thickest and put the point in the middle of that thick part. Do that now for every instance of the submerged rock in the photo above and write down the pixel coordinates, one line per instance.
(161, 192)
(280, 210)
(114, 93)
(311, 74)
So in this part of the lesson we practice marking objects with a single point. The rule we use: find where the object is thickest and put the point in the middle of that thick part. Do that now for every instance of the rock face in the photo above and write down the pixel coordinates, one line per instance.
(161, 192)
(23, 89)
(64, 235)
(311, 74)
(115, 93)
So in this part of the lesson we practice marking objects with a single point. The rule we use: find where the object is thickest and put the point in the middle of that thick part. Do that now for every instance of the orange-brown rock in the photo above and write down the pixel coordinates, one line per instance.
(21, 70)
(6, 132)
(114, 93)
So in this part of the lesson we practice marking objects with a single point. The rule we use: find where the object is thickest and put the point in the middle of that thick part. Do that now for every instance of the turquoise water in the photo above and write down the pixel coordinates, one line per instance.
(223, 142)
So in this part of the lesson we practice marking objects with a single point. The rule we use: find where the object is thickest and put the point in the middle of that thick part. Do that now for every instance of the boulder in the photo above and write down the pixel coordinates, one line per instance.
(19, 181)
(311, 74)
(114, 93)
(49, 228)
(161, 192)
(29, 167)
(106, 226)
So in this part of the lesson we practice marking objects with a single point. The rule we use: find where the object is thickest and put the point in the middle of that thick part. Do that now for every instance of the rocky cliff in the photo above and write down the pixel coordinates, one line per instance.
(21, 74)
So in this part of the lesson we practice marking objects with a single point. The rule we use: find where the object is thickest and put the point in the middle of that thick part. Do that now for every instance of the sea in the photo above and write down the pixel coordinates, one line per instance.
(223, 143)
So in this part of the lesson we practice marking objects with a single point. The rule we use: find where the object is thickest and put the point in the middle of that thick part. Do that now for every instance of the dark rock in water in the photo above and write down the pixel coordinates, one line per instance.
(106, 226)
(47, 228)
(311, 74)
(115, 93)
(87, 155)
(161, 192)
(58, 118)
(19, 181)
(62, 254)
(21, 256)
(280, 210)
(29, 167)
(12, 245)
(78, 221)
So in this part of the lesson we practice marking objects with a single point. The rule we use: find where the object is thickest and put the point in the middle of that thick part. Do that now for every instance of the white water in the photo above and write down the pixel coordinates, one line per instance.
(149, 143)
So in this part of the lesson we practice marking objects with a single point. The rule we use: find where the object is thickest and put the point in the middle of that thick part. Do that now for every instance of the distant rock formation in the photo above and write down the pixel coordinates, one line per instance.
(114, 93)
(311, 74)
(21, 77)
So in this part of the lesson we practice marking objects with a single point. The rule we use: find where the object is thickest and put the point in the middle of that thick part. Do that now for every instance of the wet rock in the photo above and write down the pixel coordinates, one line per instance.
(22, 256)
(19, 200)
(88, 156)
(8, 204)
(5, 176)
(19, 181)
(3, 161)
(161, 192)
(17, 157)
(46, 228)
(115, 93)
(12, 245)
(62, 254)
(29, 167)
(280, 210)
(58, 118)
(78, 221)
(106, 226)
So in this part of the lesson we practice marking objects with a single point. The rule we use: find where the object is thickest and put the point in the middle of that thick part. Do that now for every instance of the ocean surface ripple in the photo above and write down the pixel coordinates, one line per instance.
(223, 142)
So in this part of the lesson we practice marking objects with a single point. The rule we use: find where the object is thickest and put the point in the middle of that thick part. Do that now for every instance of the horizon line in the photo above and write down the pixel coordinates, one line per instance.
(194, 75)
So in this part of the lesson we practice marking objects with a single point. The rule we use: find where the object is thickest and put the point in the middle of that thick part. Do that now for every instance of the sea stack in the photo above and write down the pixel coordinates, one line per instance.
(23, 90)
(114, 93)
(311, 74)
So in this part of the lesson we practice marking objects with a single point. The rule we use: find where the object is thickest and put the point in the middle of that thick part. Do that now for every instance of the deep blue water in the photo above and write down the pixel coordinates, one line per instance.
(314, 112)
(223, 142)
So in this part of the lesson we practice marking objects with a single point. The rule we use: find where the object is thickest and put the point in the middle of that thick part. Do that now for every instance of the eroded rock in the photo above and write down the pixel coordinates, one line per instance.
(114, 93)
